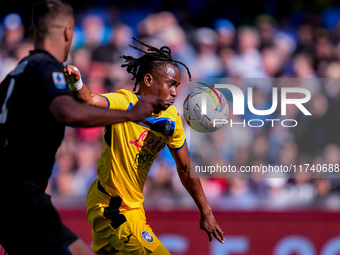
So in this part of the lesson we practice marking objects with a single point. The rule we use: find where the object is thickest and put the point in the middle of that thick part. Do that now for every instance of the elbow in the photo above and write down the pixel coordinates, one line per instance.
(85, 99)
(66, 111)
(68, 115)
(184, 171)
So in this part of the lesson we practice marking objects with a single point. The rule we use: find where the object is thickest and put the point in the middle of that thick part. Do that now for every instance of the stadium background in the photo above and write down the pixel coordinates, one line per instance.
(262, 39)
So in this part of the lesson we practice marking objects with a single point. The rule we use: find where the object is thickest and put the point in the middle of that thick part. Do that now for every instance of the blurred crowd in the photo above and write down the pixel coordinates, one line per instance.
(262, 50)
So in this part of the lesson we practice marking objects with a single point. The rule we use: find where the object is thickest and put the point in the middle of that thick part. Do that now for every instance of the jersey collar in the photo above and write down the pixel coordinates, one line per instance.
(138, 95)
(41, 51)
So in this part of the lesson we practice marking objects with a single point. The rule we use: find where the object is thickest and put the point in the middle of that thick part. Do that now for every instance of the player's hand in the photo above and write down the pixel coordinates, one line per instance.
(72, 74)
(73, 78)
(145, 107)
(209, 225)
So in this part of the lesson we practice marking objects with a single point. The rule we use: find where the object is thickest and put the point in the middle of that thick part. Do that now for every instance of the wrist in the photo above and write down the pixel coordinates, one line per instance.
(206, 211)
(73, 84)
(76, 86)
(130, 115)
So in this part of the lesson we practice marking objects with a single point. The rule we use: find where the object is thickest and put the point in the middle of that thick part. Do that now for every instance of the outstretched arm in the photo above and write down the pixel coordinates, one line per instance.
(71, 113)
(81, 92)
(193, 185)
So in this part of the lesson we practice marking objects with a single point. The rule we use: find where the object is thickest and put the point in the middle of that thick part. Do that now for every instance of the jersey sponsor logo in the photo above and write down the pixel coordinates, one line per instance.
(147, 236)
(59, 80)
(140, 140)
(143, 161)
(145, 140)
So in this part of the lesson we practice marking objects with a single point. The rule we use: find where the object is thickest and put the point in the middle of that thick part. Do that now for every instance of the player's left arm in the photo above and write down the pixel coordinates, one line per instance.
(191, 182)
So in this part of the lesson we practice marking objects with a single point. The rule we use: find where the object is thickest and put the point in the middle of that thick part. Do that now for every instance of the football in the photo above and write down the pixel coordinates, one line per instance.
(205, 109)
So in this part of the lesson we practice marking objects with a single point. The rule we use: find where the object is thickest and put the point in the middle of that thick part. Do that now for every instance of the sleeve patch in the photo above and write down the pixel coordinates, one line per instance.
(59, 80)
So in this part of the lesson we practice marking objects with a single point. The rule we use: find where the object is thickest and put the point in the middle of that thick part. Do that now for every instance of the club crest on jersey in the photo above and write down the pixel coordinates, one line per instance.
(59, 80)
(167, 127)
(147, 236)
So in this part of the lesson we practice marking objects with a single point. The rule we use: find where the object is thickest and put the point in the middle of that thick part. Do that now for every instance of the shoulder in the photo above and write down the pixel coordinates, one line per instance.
(122, 93)
(126, 93)
(121, 99)
(171, 112)
(45, 66)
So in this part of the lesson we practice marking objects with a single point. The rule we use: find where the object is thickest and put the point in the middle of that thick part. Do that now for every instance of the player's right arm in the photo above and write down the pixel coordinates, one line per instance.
(71, 113)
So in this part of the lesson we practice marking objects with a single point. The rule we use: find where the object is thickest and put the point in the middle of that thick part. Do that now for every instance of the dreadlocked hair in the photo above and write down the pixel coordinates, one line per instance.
(151, 58)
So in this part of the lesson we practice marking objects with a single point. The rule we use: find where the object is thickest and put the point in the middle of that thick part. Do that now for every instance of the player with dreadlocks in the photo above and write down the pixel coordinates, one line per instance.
(115, 200)
(145, 63)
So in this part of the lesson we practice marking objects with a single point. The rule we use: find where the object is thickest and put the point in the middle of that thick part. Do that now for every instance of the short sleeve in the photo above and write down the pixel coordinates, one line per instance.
(53, 79)
(177, 140)
(118, 100)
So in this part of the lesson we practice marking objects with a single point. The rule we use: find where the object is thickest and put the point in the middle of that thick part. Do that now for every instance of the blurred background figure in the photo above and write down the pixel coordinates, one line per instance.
(247, 62)
(226, 32)
(13, 34)
(11, 48)
(207, 64)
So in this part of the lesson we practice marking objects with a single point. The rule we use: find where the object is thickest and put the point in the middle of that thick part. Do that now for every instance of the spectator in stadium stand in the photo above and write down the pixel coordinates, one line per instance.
(206, 64)
(35, 95)
(13, 34)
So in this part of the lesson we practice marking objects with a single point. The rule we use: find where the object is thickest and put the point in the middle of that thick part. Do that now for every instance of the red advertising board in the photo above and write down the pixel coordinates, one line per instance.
(253, 233)
(247, 233)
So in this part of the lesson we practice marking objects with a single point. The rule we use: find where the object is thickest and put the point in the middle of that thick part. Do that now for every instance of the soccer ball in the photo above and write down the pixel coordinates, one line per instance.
(205, 109)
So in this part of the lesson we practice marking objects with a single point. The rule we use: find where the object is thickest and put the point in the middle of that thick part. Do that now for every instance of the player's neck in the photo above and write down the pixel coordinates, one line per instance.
(144, 91)
(51, 47)
(141, 92)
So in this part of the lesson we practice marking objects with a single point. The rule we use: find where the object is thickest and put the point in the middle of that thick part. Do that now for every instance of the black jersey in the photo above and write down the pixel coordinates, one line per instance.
(29, 133)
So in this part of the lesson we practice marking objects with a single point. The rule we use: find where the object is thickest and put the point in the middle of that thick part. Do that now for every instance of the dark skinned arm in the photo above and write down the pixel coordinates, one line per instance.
(191, 182)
